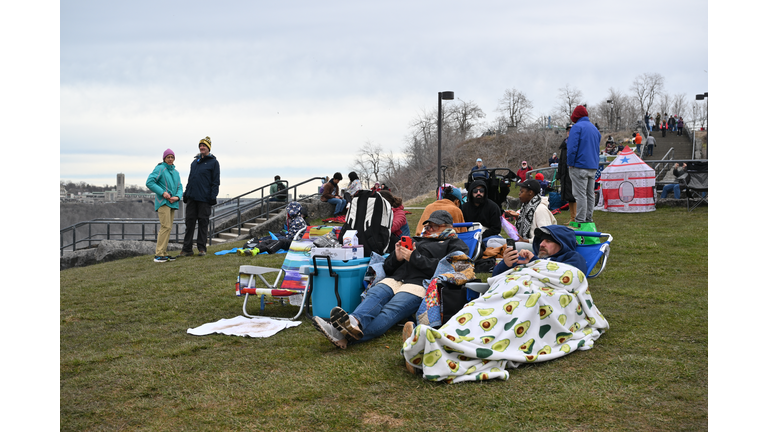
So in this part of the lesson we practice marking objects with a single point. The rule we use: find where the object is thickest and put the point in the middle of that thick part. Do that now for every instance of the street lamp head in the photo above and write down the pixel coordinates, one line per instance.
(446, 95)
(609, 101)
(700, 97)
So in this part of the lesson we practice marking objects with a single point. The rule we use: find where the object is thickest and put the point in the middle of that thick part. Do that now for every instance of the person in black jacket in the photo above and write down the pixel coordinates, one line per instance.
(565, 177)
(479, 208)
(199, 195)
(399, 295)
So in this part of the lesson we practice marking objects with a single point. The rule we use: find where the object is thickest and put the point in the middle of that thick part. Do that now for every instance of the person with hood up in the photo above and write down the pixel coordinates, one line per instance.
(199, 195)
(451, 203)
(479, 208)
(554, 242)
(583, 161)
(166, 184)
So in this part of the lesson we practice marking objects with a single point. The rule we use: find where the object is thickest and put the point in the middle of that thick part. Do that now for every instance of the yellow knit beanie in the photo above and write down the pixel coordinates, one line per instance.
(207, 142)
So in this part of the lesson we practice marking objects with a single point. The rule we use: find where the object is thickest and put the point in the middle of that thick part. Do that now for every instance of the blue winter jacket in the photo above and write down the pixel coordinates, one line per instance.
(165, 178)
(568, 254)
(584, 145)
(203, 180)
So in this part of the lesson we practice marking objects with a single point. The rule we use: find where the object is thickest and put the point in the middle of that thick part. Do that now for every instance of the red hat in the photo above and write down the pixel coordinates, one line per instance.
(539, 176)
(578, 113)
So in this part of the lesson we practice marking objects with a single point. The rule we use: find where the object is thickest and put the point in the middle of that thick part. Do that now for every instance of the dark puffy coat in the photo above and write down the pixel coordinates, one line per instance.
(564, 175)
(203, 180)
(567, 254)
(488, 213)
(423, 262)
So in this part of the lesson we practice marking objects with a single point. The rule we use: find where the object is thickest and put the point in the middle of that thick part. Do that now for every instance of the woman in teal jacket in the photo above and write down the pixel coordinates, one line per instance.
(166, 184)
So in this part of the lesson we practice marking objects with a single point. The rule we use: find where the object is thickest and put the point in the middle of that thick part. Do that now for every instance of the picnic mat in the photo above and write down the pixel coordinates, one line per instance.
(242, 326)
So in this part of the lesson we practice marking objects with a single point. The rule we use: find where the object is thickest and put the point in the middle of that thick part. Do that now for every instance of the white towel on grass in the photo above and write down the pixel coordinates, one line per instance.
(242, 326)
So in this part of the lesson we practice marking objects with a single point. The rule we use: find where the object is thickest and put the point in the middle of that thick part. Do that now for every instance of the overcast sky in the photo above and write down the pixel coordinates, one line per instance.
(296, 88)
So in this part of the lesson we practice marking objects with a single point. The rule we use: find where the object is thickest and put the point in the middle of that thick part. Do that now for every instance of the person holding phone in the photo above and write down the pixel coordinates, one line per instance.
(555, 243)
(399, 295)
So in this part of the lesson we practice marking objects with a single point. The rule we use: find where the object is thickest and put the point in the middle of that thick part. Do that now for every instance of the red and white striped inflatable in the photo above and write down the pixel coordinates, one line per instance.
(628, 184)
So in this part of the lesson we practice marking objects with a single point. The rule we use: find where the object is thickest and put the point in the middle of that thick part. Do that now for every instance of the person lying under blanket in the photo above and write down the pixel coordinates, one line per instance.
(536, 310)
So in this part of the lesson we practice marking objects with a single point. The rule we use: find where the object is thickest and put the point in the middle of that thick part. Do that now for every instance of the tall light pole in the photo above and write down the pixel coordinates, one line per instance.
(610, 119)
(446, 95)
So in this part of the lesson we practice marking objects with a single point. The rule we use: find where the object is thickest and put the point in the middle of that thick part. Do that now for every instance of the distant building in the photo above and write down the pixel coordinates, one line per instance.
(120, 186)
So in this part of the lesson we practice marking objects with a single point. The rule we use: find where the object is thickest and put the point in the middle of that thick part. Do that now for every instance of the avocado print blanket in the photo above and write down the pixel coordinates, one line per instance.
(531, 313)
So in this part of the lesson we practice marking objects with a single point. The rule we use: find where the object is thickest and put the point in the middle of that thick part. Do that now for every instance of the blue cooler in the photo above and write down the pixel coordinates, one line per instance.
(335, 283)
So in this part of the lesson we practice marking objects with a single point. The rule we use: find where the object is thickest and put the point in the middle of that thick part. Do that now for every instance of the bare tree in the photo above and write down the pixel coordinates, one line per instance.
(664, 102)
(568, 99)
(646, 88)
(369, 163)
(515, 106)
(679, 105)
(463, 116)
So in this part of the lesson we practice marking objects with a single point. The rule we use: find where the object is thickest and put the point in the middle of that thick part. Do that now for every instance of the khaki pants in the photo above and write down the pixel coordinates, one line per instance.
(165, 214)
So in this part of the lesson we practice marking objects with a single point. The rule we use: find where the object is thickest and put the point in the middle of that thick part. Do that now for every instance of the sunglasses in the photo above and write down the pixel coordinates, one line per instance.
(431, 227)
(476, 190)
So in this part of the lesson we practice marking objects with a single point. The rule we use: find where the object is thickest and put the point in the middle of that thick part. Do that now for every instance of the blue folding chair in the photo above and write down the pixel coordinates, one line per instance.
(472, 237)
(596, 255)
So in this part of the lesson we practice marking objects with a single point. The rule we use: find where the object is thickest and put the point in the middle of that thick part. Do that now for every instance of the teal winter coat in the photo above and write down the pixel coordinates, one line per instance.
(165, 178)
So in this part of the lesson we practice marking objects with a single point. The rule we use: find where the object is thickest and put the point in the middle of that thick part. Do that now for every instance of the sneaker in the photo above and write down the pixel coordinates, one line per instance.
(329, 332)
(170, 258)
(161, 259)
(201, 253)
(342, 322)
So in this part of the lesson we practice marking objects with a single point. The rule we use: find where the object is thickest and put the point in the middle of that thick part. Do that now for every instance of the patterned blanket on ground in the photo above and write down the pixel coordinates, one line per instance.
(529, 314)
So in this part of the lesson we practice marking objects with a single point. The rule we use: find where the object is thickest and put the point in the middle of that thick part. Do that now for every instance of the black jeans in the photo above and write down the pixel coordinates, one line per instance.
(196, 212)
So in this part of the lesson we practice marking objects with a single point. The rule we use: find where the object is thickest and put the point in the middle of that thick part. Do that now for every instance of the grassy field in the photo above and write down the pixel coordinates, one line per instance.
(127, 363)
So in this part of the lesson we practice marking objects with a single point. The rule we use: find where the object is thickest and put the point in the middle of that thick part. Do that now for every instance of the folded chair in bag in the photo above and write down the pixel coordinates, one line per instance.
(294, 286)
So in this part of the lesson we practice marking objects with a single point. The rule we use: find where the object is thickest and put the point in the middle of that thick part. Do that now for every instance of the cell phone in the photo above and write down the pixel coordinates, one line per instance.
(406, 242)
(511, 244)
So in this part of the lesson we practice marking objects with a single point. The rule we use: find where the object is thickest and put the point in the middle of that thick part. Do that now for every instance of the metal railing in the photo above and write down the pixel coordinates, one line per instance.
(145, 229)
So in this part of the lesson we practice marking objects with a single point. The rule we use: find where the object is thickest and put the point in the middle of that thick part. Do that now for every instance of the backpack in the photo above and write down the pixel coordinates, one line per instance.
(283, 195)
(371, 215)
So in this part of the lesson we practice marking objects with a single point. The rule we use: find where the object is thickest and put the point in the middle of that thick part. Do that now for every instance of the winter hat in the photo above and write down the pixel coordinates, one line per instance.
(539, 176)
(168, 152)
(578, 113)
(440, 217)
(206, 141)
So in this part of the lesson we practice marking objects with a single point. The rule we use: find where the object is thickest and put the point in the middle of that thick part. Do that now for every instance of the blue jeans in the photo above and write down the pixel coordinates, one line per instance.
(674, 187)
(382, 309)
(340, 204)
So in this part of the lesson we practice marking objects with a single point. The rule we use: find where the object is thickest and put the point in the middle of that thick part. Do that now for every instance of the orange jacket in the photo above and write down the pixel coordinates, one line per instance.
(638, 139)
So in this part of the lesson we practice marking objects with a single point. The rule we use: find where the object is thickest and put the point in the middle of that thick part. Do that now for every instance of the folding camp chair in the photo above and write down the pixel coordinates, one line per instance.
(695, 189)
(596, 255)
(294, 286)
(472, 237)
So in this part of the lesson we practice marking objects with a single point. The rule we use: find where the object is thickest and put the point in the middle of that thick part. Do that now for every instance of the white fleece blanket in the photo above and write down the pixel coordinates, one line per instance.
(242, 326)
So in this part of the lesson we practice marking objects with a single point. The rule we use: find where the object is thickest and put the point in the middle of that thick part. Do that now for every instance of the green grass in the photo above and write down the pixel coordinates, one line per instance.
(127, 362)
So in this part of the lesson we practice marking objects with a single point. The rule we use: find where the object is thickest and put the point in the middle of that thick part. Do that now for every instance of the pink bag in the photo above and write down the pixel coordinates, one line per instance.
(510, 229)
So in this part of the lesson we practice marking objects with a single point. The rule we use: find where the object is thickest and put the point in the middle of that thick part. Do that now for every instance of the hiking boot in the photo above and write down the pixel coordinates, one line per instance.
(184, 254)
(161, 259)
(342, 322)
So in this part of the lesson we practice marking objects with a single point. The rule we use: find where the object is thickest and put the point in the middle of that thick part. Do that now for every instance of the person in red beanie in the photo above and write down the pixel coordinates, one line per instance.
(583, 161)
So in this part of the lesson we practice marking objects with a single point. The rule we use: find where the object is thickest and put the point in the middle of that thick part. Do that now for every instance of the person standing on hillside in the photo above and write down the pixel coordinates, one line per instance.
(166, 184)
(583, 161)
(565, 177)
(479, 174)
(200, 194)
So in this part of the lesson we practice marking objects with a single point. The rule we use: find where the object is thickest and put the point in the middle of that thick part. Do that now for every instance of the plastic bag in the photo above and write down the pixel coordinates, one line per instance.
(509, 229)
